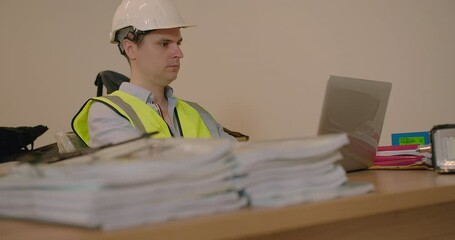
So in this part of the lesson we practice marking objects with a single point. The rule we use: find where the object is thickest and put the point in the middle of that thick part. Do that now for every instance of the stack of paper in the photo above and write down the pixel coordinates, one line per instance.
(284, 172)
(140, 182)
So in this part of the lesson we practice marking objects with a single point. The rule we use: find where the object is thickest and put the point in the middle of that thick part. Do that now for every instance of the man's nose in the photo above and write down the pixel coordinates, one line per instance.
(178, 53)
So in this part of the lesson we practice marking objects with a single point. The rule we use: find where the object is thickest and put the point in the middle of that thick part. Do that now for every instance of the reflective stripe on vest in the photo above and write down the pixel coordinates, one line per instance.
(209, 121)
(195, 121)
(133, 117)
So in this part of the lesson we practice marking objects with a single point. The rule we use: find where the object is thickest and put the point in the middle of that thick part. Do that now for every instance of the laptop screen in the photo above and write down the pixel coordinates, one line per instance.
(356, 107)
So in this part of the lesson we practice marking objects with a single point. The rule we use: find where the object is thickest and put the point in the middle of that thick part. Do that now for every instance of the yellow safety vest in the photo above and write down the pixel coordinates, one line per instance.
(147, 120)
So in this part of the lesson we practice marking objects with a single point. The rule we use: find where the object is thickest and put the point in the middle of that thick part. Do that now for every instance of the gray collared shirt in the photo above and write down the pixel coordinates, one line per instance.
(108, 127)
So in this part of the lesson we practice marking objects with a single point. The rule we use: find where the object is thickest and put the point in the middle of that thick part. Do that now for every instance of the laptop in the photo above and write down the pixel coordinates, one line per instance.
(356, 107)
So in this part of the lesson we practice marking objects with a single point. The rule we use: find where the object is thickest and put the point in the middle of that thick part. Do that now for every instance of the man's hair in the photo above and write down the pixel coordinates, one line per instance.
(131, 34)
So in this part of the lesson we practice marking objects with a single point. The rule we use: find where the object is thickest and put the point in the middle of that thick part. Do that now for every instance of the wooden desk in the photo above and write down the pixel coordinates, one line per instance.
(413, 204)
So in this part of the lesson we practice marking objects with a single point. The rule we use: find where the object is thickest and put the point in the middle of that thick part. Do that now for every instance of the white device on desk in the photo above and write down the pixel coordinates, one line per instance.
(357, 107)
(443, 148)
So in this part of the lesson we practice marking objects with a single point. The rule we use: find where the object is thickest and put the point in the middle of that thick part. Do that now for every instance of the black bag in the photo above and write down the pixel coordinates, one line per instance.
(17, 139)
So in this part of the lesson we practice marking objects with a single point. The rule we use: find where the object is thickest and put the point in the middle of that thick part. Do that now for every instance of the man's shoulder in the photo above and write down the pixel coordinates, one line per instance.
(101, 109)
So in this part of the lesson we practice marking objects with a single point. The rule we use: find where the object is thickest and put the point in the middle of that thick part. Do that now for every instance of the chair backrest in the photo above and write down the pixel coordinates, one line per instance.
(109, 79)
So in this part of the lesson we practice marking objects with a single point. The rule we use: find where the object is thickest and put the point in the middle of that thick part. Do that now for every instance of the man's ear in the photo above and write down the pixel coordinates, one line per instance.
(130, 48)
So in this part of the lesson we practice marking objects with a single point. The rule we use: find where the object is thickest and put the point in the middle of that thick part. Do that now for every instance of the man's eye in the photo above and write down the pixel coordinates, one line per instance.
(164, 44)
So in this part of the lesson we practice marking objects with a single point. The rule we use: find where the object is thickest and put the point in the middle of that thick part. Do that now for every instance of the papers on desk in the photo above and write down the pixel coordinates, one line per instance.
(151, 180)
(403, 157)
(140, 182)
(285, 172)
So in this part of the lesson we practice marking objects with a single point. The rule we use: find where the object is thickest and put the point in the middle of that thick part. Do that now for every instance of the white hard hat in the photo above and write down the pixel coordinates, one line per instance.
(145, 15)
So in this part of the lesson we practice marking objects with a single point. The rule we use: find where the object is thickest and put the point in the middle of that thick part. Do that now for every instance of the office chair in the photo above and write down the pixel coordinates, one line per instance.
(110, 80)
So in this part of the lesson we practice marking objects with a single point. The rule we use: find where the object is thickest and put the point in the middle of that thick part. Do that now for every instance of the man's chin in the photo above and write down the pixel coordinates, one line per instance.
(170, 80)
(173, 76)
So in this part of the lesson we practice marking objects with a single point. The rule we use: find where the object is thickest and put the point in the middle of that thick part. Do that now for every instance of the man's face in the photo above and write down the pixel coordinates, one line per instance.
(158, 55)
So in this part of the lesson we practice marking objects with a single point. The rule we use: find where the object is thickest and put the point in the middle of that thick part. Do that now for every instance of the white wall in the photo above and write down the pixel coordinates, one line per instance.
(259, 66)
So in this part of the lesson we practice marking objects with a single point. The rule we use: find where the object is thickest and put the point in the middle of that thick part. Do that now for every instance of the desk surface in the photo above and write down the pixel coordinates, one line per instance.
(396, 190)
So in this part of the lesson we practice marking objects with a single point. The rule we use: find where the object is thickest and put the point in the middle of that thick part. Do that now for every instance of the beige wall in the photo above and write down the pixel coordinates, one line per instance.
(259, 66)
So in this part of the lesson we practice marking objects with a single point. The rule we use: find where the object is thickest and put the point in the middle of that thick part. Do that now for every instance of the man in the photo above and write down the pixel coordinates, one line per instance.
(148, 35)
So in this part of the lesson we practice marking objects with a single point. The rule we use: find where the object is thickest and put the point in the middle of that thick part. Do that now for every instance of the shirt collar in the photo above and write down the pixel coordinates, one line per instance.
(144, 94)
